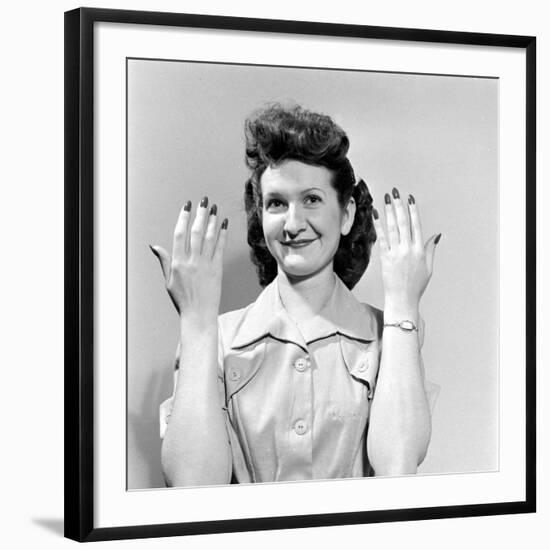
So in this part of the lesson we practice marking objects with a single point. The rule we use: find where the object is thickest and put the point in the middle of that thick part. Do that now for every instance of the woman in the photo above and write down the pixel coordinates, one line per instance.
(306, 382)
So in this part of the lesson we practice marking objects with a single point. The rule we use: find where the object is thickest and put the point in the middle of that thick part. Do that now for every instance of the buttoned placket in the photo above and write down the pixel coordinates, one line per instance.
(300, 456)
(300, 459)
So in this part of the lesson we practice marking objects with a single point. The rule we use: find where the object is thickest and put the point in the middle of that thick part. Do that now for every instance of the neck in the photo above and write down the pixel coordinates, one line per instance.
(305, 298)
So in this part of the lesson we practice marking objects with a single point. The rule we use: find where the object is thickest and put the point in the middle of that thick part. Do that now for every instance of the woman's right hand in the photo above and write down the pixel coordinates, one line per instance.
(193, 274)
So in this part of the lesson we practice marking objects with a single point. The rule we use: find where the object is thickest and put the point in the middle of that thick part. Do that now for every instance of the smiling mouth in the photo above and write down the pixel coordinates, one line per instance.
(298, 244)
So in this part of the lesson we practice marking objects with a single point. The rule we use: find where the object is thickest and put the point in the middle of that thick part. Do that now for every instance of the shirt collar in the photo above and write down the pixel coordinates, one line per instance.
(342, 314)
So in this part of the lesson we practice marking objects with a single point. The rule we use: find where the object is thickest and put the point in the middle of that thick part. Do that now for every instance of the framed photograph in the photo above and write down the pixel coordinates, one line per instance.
(300, 274)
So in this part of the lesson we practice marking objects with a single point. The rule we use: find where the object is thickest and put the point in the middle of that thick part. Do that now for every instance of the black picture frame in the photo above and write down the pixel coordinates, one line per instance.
(79, 271)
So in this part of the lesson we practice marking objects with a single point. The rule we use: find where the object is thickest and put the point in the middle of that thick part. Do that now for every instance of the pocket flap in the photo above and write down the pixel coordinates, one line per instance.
(362, 360)
(240, 366)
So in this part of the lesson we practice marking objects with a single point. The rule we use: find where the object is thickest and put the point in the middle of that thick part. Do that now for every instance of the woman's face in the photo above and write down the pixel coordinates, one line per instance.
(302, 219)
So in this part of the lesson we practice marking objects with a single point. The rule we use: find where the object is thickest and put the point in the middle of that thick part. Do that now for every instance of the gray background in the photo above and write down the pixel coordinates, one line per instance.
(433, 136)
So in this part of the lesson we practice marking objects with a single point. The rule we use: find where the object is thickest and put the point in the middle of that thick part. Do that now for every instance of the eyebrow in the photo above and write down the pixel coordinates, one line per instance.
(304, 192)
(313, 189)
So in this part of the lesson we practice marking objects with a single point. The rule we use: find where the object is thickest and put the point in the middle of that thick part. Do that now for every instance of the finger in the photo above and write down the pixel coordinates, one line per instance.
(197, 229)
(163, 258)
(222, 239)
(391, 224)
(379, 228)
(401, 217)
(430, 247)
(179, 247)
(211, 234)
(416, 226)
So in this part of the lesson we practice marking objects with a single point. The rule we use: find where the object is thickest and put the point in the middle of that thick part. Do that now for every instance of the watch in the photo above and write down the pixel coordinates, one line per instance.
(405, 325)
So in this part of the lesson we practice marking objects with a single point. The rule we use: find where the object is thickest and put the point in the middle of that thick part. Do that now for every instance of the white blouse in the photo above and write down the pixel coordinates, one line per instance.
(297, 399)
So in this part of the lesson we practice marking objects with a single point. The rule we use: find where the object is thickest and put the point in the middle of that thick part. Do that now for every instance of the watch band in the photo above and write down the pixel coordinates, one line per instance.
(406, 325)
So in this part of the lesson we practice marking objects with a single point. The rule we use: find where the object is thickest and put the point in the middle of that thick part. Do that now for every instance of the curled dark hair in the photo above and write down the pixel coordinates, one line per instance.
(276, 134)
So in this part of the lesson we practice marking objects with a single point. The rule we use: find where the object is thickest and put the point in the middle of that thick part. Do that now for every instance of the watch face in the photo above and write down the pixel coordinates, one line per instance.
(407, 325)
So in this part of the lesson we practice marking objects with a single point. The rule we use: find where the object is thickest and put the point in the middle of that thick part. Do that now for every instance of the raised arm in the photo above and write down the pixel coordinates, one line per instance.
(195, 448)
(400, 420)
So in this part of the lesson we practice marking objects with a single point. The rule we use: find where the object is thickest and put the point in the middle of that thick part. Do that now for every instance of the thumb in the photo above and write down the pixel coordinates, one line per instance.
(164, 259)
(430, 247)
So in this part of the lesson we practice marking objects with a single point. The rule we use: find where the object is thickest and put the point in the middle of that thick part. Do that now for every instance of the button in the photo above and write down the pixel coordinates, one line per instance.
(363, 366)
(300, 427)
(234, 374)
(301, 364)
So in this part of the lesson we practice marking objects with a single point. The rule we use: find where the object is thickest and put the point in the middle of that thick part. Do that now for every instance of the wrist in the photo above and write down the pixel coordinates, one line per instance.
(395, 311)
(198, 321)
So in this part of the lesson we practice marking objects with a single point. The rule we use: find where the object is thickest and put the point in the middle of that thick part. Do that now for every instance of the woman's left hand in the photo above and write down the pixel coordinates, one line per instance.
(406, 261)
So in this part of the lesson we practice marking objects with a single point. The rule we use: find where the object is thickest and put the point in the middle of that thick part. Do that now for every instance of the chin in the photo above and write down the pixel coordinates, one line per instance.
(299, 269)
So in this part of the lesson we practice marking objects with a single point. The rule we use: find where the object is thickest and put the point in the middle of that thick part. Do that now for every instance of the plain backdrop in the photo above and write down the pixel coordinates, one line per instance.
(31, 297)
(432, 136)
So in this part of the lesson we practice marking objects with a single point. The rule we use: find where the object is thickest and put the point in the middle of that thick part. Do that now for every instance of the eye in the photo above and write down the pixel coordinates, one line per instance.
(312, 199)
(273, 205)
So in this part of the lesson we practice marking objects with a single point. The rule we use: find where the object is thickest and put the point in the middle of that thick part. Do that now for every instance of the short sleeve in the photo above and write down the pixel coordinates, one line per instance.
(165, 409)
(432, 390)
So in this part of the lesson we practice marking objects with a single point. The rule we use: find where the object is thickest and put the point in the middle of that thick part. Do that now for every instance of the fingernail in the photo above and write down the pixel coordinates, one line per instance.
(213, 210)
(411, 199)
(187, 206)
(204, 202)
(375, 213)
(395, 193)
(387, 199)
(436, 240)
(154, 251)
(225, 223)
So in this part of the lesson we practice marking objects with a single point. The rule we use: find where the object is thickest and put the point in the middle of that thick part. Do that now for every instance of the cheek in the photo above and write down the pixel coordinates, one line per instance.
(329, 224)
(270, 226)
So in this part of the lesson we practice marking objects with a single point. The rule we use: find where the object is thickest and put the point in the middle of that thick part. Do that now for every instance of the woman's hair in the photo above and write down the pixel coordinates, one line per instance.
(278, 133)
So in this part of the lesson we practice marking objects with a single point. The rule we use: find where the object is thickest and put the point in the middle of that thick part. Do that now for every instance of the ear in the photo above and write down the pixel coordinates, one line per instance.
(349, 217)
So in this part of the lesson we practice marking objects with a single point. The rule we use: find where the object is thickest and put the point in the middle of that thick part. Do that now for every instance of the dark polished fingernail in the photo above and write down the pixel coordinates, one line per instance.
(214, 210)
(411, 199)
(387, 198)
(395, 193)
(187, 206)
(375, 213)
(154, 251)
(225, 223)
(436, 240)
(204, 202)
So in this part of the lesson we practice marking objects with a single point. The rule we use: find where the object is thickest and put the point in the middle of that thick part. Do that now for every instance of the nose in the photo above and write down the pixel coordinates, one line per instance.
(295, 222)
